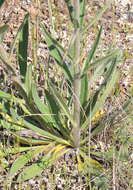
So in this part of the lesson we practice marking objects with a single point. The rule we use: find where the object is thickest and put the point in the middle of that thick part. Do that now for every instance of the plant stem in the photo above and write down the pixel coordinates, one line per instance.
(76, 83)
(52, 28)
(34, 32)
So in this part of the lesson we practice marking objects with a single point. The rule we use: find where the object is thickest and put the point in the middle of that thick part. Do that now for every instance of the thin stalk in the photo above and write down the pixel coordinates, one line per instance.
(52, 29)
(34, 31)
(76, 84)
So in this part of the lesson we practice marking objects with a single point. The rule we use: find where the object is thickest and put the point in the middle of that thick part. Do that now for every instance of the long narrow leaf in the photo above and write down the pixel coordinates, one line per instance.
(24, 159)
(56, 53)
(29, 141)
(28, 81)
(43, 108)
(58, 45)
(61, 102)
(91, 53)
(37, 168)
(88, 161)
(44, 133)
(84, 90)
(100, 97)
(6, 151)
(14, 43)
(113, 116)
(82, 12)
(103, 86)
(4, 57)
(70, 9)
(10, 97)
(23, 46)
(9, 125)
(54, 107)
(20, 87)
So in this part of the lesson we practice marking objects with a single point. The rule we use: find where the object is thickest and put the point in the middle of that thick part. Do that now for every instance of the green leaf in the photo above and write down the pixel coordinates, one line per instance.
(55, 110)
(70, 9)
(98, 129)
(99, 71)
(91, 163)
(46, 134)
(101, 95)
(43, 108)
(10, 97)
(126, 105)
(102, 88)
(3, 29)
(82, 12)
(102, 66)
(91, 53)
(53, 106)
(5, 95)
(55, 51)
(4, 57)
(58, 45)
(20, 87)
(24, 159)
(1, 3)
(18, 36)
(104, 60)
(10, 126)
(32, 171)
(28, 140)
(84, 90)
(71, 48)
(37, 168)
(61, 102)
(52, 45)
(5, 151)
(28, 81)
(23, 46)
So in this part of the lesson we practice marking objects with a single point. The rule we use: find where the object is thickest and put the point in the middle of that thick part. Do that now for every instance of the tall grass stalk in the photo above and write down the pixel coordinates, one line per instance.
(34, 31)
(77, 80)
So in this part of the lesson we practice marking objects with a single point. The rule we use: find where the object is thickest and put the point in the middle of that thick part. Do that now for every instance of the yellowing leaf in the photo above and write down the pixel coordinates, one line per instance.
(80, 164)
(98, 115)
(9, 119)
(59, 147)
